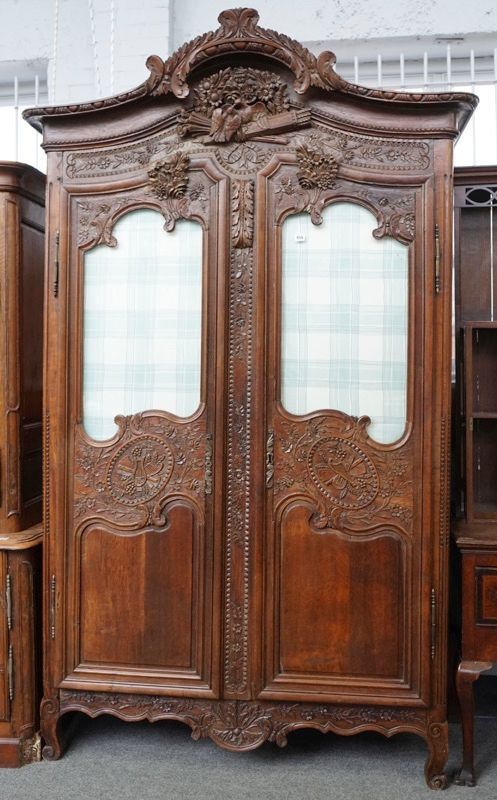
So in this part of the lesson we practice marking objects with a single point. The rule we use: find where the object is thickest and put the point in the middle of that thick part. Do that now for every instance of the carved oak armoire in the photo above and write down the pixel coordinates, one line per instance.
(22, 215)
(247, 398)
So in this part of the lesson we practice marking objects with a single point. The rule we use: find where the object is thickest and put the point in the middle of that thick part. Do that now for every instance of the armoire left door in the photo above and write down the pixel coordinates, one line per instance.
(135, 603)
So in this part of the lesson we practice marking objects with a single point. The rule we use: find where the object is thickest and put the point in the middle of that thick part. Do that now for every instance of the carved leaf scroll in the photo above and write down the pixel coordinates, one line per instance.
(236, 26)
(126, 482)
(169, 190)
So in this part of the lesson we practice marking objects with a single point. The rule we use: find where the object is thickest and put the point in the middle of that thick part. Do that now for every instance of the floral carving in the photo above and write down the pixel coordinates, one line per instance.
(168, 178)
(239, 32)
(96, 220)
(354, 486)
(240, 103)
(396, 215)
(237, 564)
(245, 725)
(364, 151)
(394, 210)
(116, 160)
(126, 481)
(316, 171)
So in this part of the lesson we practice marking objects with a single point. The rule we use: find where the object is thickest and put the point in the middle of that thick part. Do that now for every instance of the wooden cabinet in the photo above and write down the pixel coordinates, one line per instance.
(22, 214)
(258, 542)
(20, 647)
(476, 439)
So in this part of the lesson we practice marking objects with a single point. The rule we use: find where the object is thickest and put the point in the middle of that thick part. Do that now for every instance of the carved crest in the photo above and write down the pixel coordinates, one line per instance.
(235, 25)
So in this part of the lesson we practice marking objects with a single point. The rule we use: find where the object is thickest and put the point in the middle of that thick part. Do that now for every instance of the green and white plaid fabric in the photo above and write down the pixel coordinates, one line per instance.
(142, 322)
(344, 319)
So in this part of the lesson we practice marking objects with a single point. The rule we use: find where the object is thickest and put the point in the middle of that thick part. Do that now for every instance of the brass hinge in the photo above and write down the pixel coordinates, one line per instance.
(269, 459)
(208, 464)
(56, 278)
(438, 285)
(10, 672)
(470, 423)
(8, 600)
(52, 606)
(433, 623)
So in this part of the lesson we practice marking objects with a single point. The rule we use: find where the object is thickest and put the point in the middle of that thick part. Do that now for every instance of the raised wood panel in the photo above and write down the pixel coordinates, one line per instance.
(486, 588)
(140, 603)
(341, 602)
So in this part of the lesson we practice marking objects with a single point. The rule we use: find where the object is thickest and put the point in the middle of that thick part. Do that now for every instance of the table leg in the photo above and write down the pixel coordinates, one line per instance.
(467, 673)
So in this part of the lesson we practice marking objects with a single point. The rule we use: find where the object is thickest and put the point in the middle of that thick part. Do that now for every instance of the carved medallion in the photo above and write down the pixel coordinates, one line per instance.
(151, 454)
(343, 473)
(355, 487)
(139, 470)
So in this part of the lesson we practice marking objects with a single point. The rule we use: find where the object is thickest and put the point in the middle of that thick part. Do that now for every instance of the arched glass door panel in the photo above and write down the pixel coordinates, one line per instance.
(344, 322)
(142, 322)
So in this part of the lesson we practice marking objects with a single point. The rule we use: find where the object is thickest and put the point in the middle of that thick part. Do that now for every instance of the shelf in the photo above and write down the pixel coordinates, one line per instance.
(483, 448)
(486, 511)
(484, 415)
(481, 363)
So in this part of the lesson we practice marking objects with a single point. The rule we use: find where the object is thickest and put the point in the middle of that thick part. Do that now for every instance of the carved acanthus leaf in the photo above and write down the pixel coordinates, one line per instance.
(242, 208)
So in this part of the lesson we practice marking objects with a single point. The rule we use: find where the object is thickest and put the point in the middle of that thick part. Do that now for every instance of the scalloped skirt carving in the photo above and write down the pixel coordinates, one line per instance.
(245, 725)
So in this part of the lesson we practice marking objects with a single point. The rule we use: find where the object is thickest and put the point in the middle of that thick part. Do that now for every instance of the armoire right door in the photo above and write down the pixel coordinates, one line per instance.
(348, 462)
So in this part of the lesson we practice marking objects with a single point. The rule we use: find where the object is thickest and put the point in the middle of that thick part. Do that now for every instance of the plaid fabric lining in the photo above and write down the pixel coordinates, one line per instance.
(142, 322)
(344, 319)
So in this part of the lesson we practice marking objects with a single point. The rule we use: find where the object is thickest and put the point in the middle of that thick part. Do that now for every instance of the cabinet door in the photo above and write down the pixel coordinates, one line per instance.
(348, 527)
(142, 591)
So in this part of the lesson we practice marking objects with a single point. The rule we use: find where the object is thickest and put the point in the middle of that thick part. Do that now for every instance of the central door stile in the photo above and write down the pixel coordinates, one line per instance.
(239, 436)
